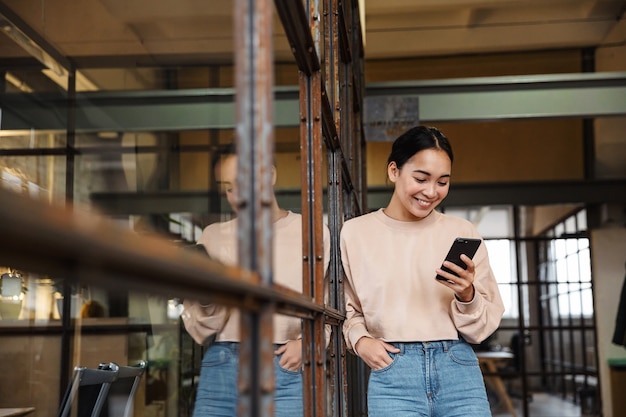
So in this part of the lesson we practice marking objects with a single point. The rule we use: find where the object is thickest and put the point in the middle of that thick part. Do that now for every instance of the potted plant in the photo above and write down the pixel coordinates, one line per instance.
(75, 293)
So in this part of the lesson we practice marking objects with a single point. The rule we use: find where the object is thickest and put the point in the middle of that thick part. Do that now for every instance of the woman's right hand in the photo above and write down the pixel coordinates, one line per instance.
(374, 352)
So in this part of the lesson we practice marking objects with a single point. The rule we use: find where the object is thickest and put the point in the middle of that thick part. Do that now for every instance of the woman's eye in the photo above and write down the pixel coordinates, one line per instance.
(443, 183)
(420, 180)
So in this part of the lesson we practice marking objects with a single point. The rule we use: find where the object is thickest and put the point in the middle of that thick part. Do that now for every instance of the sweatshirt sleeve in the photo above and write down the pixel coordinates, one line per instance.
(478, 319)
(203, 320)
(354, 326)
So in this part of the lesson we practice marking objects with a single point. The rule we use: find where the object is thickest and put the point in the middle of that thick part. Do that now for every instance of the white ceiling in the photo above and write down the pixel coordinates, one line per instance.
(199, 31)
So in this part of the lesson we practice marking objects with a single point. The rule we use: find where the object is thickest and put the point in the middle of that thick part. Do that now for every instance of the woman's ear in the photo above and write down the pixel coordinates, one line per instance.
(273, 175)
(393, 171)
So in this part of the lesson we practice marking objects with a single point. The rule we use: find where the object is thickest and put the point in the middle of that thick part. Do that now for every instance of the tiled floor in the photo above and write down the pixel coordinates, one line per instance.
(542, 405)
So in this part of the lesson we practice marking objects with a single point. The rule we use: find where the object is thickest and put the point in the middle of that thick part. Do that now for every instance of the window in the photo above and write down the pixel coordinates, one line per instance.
(573, 275)
(495, 225)
(502, 260)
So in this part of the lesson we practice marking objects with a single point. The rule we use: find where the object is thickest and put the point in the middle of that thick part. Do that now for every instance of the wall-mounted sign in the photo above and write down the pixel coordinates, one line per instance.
(386, 117)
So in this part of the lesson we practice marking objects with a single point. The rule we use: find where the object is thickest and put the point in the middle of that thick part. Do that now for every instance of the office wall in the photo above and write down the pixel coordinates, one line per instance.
(521, 150)
(609, 131)
(513, 150)
(608, 258)
(609, 242)
(517, 150)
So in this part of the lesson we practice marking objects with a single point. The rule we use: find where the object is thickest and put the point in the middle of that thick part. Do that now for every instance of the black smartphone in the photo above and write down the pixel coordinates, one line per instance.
(461, 245)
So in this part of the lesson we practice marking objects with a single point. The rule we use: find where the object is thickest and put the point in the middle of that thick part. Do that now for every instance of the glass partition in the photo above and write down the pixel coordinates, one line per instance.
(132, 135)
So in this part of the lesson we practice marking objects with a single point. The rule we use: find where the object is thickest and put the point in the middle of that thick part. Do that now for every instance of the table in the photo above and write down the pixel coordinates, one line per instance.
(489, 361)
(17, 411)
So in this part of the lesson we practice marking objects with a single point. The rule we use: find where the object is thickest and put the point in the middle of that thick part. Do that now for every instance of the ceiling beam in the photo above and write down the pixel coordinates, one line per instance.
(513, 97)
(32, 42)
(453, 100)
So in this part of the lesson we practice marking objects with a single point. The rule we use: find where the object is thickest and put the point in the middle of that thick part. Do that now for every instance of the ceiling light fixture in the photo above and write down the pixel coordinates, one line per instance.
(56, 71)
(31, 47)
(17, 83)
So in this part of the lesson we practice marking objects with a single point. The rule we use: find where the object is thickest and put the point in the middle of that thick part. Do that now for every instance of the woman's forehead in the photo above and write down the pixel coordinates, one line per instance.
(226, 166)
(432, 157)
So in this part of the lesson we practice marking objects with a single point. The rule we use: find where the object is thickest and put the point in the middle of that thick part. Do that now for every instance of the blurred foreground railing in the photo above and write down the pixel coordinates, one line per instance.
(89, 249)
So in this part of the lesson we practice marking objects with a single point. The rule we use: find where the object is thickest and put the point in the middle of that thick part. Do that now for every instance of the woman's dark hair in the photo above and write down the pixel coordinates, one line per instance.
(417, 139)
(222, 151)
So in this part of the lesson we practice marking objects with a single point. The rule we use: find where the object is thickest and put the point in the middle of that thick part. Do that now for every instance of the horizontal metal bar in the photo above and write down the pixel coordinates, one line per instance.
(587, 102)
(513, 97)
(479, 194)
(468, 99)
(153, 111)
(84, 247)
(156, 202)
(164, 202)
(522, 193)
(501, 83)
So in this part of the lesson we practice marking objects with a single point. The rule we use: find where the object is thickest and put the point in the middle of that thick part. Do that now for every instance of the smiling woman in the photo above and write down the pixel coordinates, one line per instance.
(464, 307)
(120, 105)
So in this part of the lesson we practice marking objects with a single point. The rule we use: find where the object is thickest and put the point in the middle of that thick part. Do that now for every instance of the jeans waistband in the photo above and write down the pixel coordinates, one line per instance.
(234, 346)
(437, 344)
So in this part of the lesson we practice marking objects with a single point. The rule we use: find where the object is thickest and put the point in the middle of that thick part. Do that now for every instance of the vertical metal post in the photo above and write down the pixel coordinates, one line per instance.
(521, 319)
(313, 244)
(254, 84)
(356, 86)
(67, 332)
(338, 377)
(353, 179)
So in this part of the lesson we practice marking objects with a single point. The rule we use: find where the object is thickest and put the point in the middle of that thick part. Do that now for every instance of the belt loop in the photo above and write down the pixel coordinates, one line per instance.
(445, 345)
(400, 346)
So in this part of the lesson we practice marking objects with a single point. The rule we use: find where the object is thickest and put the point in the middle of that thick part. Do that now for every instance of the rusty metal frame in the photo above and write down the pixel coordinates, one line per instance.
(80, 245)
(314, 28)
(327, 92)
(331, 121)
(254, 86)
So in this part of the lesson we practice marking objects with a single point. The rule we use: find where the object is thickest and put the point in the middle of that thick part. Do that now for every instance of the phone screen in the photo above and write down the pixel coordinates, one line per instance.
(461, 245)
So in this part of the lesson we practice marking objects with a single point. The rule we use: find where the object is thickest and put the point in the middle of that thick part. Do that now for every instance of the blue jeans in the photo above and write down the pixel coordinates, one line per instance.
(430, 379)
(217, 389)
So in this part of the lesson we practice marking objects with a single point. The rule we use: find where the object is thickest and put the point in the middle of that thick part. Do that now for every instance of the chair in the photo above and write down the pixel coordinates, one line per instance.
(513, 370)
(88, 391)
(122, 392)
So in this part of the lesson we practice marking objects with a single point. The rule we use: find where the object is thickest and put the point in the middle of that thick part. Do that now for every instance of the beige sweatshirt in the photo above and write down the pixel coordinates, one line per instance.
(220, 241)
(391, 291)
